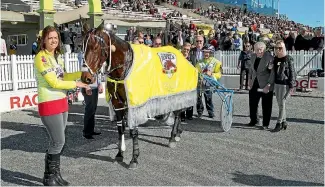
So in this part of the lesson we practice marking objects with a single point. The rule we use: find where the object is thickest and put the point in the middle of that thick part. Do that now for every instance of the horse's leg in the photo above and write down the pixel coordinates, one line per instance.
(136, 151)
(172, 140)
(121, 130)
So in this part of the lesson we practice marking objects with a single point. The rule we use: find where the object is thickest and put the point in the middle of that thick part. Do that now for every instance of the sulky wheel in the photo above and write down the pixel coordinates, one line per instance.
(226, 113)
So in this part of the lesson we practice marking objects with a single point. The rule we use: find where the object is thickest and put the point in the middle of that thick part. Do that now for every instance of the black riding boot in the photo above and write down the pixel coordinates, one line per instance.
(52, 175)
(50, 178)
(58, 172)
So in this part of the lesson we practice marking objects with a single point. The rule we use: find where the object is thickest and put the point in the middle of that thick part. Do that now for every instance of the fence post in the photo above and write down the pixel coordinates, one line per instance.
(66, 62)
(301, 60)
(14, 73)
(218, 55)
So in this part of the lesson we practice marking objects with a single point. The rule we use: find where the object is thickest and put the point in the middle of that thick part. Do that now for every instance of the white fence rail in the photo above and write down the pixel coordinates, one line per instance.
(229, 61)
(17, 72)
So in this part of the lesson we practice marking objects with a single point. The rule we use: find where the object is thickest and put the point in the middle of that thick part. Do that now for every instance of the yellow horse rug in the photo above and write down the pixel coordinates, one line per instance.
(160, 81)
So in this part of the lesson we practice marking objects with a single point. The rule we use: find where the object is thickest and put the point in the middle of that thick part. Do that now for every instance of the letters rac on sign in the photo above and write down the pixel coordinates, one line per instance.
(23, 101)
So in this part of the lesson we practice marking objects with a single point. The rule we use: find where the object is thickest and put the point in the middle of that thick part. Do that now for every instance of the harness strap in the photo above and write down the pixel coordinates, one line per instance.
(115, 84)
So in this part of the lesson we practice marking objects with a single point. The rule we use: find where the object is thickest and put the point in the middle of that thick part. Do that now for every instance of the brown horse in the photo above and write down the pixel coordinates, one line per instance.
(99, 46)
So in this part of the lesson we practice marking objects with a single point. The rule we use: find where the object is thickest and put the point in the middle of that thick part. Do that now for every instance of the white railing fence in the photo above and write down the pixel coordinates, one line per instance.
(17, 72)
(229, 61)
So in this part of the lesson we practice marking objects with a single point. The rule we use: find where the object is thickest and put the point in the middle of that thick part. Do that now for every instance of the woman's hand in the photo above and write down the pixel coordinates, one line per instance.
(83, 85)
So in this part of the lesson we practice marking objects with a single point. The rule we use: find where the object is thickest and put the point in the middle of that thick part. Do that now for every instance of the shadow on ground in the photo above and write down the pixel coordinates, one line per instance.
(294, 120)
(18, 178)
(263, 180)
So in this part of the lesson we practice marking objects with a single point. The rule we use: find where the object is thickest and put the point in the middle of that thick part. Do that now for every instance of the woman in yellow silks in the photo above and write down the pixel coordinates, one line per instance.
(212, 67)
(52, 83)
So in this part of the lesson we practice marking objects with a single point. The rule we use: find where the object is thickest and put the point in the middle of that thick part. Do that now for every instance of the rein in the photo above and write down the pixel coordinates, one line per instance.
(103, 45)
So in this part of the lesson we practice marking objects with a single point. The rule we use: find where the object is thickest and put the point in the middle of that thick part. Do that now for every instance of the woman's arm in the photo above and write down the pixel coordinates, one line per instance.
(72, 76)
(50, 76)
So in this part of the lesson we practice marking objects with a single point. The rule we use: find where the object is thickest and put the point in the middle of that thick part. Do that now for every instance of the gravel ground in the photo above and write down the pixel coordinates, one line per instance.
(204, 156)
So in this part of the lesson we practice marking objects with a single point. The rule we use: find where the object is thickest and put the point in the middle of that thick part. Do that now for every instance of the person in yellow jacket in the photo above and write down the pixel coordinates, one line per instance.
(52, 83)
(212, 67)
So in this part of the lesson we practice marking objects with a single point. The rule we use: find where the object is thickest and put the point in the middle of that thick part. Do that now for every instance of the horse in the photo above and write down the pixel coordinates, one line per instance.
(100, 45)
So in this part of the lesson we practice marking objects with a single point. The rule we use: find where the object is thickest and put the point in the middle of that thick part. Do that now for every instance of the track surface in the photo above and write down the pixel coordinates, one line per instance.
(204, 156)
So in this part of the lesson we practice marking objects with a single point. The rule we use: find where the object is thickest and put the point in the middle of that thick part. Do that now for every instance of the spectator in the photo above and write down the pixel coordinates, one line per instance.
(3, 46)
(196, 53)
(191, 38)
(141, 41)
(189, 111)
(228, 42)
(302, 42)
(66, 40)
(148, 41)
(157, 42)
(261, 81)
(136, 40)
(91, 101)
(284, 82)
(238, 43)
(244, 63)
(317, 42)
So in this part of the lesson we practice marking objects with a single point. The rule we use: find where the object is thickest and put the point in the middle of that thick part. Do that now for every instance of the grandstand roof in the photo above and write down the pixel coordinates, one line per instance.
(17, 2)
(72, 15)
(18, 17)
(161, 24)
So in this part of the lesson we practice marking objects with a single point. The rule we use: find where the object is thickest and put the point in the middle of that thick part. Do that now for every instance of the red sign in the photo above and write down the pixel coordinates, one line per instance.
(304, 83)
(21, 102)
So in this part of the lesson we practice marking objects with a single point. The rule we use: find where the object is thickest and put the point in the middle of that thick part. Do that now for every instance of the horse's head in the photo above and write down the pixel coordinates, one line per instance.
(97, 48)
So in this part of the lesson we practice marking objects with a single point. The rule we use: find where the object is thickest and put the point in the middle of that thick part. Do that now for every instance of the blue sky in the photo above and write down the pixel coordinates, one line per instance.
(304, 11)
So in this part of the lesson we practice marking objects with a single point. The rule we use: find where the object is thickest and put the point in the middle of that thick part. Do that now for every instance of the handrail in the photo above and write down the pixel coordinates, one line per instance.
(312, 58)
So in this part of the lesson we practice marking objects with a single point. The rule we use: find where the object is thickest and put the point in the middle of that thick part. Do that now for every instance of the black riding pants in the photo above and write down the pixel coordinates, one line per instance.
(91, 102)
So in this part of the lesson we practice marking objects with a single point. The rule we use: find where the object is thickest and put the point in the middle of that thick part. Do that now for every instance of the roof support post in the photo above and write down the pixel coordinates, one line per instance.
(95, 13)
(46, 14)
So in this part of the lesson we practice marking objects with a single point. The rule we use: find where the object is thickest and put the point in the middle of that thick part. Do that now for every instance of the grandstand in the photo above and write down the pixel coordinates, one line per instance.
(31, 5)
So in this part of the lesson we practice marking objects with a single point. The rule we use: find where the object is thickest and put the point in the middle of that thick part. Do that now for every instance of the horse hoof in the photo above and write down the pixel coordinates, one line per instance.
(119, 159)
(177, 138)
(133, 165)
(172, 144)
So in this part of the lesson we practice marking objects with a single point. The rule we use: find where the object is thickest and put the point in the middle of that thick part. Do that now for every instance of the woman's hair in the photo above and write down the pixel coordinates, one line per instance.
(284, 50)
(45, 34)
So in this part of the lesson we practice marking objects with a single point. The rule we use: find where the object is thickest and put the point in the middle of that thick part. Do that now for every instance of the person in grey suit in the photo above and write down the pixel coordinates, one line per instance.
(261, 82)
(196, 54)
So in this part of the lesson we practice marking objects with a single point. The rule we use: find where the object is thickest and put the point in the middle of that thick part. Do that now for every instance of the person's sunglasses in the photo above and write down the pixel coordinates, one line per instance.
(279, 48)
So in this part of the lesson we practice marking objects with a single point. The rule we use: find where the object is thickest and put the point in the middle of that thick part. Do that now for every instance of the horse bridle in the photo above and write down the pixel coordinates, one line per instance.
(103, 46)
